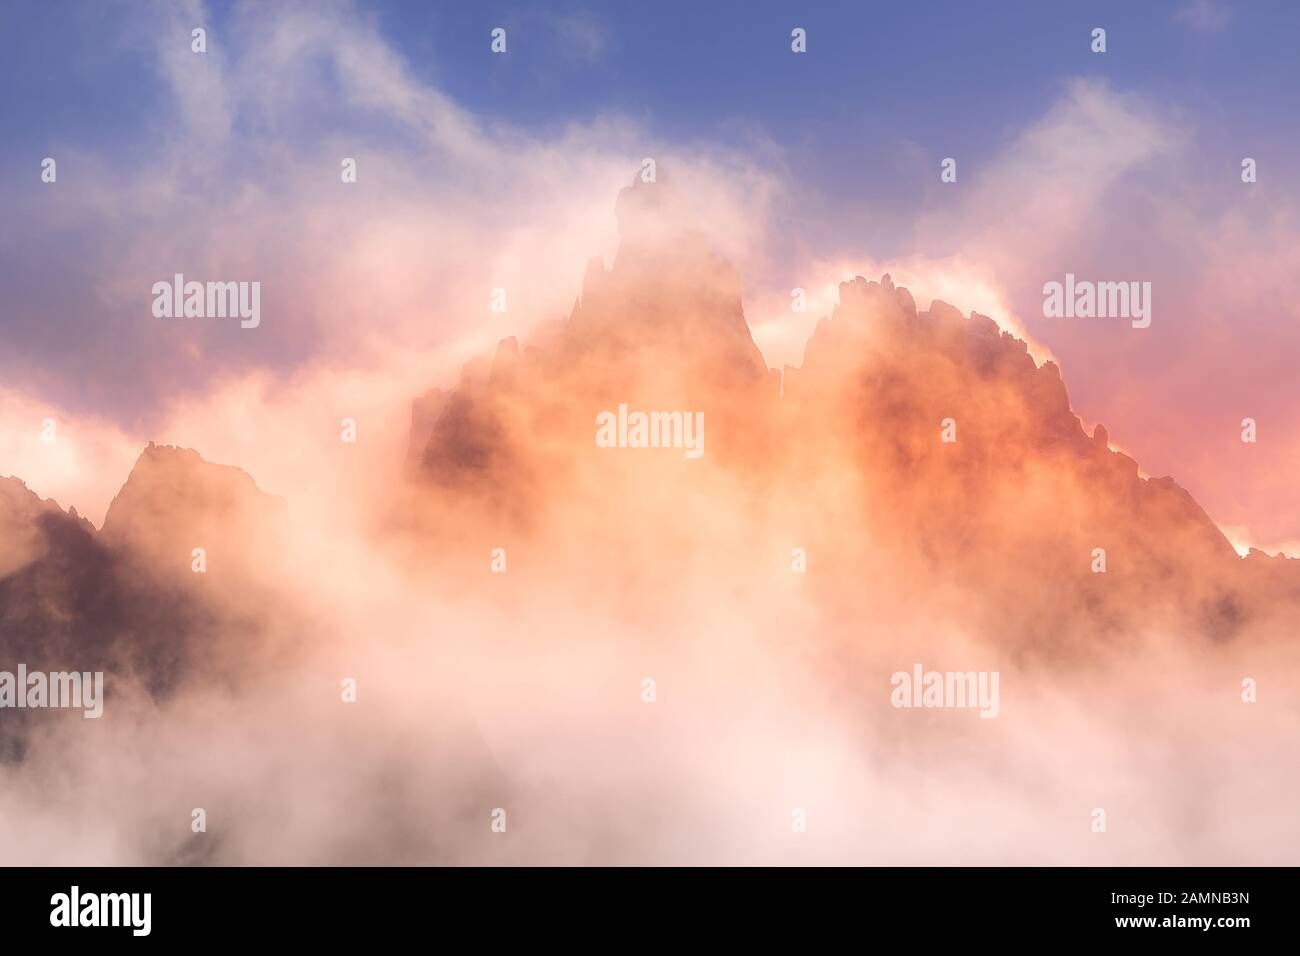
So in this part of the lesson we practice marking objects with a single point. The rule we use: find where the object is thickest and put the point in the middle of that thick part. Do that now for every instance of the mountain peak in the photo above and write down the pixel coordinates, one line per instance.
(174, 500)
(968, 450)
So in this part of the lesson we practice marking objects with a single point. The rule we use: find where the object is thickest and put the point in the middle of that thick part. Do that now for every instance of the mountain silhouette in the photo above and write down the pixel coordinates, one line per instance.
(926, 447)
(125, 600)
(918, 455)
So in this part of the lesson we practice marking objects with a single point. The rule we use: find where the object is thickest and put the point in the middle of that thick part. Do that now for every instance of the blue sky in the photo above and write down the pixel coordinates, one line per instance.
(857, 123)
(959, 78)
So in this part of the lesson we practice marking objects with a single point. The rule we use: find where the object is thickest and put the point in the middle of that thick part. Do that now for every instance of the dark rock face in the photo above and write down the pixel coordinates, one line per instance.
(61, 603)
(125, 600)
